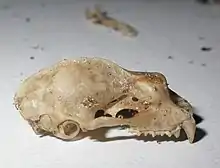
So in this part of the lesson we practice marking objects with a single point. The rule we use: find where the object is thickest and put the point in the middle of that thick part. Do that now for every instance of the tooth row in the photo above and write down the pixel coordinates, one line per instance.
(175, 132)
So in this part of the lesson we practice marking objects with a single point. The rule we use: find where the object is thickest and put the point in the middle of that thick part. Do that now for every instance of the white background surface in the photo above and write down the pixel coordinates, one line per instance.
(167, 28)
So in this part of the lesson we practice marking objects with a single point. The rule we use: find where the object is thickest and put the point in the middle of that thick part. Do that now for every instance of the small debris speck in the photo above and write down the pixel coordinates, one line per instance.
(21, 73)
(201, 38)
(25, 39)
(203, 64)
(5, 7)
(203, 1)
(170, 57)
(35, 47)
(206, 49)
(159, 142)
(191, 62)
(42, 5)
(31, 57)
(28, 19)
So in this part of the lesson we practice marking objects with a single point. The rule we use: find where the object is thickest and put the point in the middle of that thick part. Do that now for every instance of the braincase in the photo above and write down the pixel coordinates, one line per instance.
(75, 80)
(100, 79)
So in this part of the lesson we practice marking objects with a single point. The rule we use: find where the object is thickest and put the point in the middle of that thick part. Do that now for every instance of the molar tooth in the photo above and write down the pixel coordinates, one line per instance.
(153, 133)
(162, 133)
(145, 133)
(131, 131)
(139, 133)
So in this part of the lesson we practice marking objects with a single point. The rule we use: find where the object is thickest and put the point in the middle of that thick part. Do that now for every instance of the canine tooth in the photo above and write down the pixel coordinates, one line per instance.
(190, 129)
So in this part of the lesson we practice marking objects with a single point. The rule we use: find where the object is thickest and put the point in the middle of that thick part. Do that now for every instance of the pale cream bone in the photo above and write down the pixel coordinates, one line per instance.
(90, 93)
(101, 18)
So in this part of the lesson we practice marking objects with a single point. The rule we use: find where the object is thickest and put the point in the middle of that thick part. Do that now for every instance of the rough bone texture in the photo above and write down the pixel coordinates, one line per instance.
(90, 93)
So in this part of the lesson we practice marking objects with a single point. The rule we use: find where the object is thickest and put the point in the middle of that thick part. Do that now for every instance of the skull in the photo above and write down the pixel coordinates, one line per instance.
(89, 93)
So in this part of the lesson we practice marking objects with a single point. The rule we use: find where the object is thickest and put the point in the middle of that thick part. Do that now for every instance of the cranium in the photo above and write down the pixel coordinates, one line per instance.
(90, 93)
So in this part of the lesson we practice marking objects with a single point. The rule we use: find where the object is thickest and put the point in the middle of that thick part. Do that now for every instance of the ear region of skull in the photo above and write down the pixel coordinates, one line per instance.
(74, 96)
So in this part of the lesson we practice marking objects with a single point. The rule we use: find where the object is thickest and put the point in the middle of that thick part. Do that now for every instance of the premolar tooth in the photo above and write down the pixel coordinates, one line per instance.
(168, 133)
(177, 134)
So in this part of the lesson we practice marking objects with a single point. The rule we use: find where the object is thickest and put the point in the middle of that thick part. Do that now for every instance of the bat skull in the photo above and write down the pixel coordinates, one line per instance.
(89, 93)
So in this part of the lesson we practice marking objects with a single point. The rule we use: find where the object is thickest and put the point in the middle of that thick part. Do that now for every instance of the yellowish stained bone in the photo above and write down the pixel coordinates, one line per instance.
(101, 18)
(89, 93)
